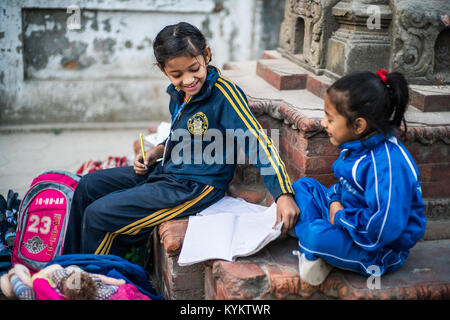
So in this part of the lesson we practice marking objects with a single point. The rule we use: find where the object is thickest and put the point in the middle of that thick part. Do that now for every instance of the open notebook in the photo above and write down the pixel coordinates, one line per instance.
(228, 229)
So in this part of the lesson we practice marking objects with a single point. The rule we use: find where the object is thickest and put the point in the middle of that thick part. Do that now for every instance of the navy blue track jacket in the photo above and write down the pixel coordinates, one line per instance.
(207, 135)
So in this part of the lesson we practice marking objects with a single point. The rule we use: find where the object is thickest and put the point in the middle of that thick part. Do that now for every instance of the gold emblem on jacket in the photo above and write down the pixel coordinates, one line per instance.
(197, 124)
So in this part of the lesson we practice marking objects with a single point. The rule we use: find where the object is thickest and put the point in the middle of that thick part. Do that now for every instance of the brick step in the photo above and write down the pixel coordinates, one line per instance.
(430, 98)
(273, 274)
(286, 75)
(281, 74)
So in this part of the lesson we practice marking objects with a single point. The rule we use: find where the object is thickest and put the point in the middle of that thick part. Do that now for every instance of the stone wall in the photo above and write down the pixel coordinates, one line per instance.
(103, 69)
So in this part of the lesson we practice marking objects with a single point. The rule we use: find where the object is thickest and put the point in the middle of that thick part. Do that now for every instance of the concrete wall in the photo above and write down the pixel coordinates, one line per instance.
(104, 69)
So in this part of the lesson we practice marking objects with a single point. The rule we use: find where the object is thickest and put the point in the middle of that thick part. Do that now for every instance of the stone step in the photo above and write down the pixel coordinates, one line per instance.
(273, 274)
(286, 75)
(282, 75)
(430, 98)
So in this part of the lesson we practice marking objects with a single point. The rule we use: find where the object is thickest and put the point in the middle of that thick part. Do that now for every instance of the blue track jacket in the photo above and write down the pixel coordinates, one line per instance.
(211, 128)
(380, 190)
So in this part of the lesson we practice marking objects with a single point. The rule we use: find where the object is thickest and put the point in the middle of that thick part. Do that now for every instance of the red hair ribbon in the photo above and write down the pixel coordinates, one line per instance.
(382, 74)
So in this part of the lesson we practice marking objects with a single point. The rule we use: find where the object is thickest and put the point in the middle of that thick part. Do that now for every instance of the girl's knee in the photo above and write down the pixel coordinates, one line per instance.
(312, 235)
(303, 183)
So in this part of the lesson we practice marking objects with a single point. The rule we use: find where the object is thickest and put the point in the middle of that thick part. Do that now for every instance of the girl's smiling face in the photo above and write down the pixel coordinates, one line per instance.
(187, 73)
(336, 125)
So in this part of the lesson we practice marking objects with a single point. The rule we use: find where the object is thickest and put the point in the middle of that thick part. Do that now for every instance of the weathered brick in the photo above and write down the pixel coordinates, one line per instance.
(171, 234)
(235, 280)
(437, 230)
(317, 85)
(320, 145)
(433, 153)
(424, 276)
(284, 282)
(280, 79)
(434, 190)
(294, 172)
(435, 172)
(318, 165)
(174, 280)
(429, 101)
(271, 54)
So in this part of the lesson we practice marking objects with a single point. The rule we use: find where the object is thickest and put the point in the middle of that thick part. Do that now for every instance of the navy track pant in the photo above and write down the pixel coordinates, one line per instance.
(318, 238)
(115, 208)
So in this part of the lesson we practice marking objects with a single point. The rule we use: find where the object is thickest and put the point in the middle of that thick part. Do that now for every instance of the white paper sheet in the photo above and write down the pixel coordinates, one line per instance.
(228, 229)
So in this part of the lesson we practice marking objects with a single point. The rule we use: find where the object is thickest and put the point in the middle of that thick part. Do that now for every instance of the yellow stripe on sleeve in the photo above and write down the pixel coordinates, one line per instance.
(280, 180)
(246, 109)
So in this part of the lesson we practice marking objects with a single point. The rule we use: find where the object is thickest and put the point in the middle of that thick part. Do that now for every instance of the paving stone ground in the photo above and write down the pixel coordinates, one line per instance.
(27, 151)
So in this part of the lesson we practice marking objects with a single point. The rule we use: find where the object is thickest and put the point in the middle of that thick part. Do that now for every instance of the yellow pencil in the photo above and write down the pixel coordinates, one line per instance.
(142, 148)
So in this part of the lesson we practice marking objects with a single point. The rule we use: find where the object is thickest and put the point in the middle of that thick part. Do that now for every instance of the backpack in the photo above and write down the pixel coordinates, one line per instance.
(42, 219)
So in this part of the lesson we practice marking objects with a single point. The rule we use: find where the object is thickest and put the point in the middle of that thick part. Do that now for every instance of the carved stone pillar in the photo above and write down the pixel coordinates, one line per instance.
(421, 40)
(305, 31)
(362, 41)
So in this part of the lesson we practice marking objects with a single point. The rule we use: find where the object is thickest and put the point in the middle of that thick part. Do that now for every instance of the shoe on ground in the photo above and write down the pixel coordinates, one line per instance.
(313, 272)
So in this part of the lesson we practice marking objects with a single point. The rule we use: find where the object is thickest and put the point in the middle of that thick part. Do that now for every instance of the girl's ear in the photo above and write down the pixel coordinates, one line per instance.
(208, 54)
(360, 125)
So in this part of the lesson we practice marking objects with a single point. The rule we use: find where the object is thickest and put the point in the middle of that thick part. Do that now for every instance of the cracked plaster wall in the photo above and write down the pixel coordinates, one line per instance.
(104, 71)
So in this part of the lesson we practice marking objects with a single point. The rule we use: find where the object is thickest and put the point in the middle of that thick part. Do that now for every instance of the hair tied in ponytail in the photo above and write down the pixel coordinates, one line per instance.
(382, 74)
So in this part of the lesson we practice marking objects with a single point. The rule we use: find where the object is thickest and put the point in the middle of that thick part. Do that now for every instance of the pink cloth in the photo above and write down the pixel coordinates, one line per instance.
(128, 292)
(44, 290)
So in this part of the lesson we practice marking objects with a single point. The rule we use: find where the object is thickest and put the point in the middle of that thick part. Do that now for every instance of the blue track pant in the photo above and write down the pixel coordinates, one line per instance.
(318, 238)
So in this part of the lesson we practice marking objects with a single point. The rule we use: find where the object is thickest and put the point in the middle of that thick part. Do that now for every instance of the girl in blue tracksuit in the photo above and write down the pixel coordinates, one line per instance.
(115, 208)
(369, 220)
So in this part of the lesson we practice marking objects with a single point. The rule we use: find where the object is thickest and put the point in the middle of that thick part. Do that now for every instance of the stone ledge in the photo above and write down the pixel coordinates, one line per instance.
(301, 121)
(272, 54)
(430, 98)
(303, 108)
(171, 235)
(273, 274)
(281, 74)
(173, 281)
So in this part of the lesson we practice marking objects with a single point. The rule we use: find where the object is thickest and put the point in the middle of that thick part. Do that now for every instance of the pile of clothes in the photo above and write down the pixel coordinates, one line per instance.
(111, 162)
(79, 277)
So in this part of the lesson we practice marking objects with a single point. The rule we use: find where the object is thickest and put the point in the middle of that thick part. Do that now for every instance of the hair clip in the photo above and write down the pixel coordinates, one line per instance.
(382, 74)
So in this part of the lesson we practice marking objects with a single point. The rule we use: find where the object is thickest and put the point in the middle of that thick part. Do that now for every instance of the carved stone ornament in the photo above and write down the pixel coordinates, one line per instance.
(305, 31)
(421, 46)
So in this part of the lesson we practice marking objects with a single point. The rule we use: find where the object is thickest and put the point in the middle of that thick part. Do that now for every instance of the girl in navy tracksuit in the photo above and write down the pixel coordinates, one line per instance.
(369, 220)
(116, 208)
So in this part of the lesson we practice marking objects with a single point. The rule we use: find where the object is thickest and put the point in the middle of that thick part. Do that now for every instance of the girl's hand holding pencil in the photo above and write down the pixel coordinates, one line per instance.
(145, 159)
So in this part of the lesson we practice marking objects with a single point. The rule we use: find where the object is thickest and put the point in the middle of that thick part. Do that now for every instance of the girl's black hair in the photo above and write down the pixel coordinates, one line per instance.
(177, 40)
(364, 94)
